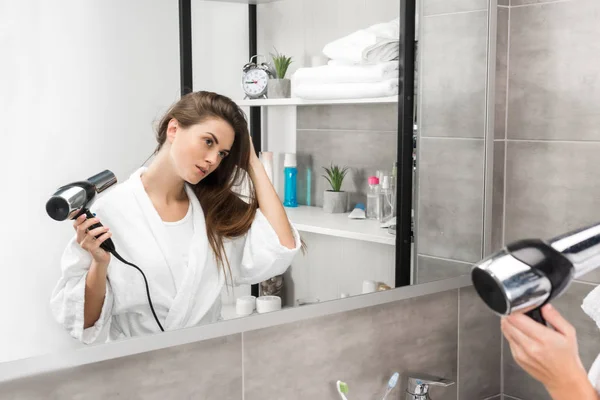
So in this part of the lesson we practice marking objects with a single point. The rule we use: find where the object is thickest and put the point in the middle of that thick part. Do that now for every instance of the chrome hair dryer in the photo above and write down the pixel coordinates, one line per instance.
(527, 274)
(72, 200)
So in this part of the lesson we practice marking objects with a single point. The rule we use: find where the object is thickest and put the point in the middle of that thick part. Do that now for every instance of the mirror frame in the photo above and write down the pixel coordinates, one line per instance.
(106, 351)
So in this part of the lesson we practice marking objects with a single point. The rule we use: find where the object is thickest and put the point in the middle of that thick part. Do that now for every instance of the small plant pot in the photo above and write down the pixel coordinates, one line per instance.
(335, 202)
(279, 88)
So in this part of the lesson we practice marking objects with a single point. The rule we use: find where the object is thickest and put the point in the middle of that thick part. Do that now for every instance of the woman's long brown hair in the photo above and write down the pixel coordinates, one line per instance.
(226, 215)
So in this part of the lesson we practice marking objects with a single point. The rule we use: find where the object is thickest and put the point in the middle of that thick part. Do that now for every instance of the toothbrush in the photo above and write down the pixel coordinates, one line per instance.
(342, 388)
(391, 385)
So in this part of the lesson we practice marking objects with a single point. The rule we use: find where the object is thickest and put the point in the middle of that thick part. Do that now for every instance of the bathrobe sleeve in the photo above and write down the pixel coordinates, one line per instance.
(69, 294)
(263, 256)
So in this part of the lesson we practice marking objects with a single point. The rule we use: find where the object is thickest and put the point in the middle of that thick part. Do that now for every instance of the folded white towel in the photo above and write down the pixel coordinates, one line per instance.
(345, 63)
(333, 91)
(591, 306)
(383, 51)
(347, 73)
(377, 43)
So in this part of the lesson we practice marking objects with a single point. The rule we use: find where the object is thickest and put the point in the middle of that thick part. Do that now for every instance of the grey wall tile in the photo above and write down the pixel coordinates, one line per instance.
(501, 73)
(554, 80)
(450, 220)
(175, 373)
(552, 187)
(479, 348)
(527, 2)
(363, 151)
(498, 397)
(593, 277)
(432, 7)
(367, 117)
(362, 348)
(505, 397)
(431, 269)
(504, 3)
(453, 75)
(498, 195)
(518, 383)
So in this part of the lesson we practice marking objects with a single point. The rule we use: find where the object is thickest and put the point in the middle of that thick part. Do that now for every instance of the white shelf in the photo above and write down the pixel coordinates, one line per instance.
(315, 220)
(303, 102)
(247, 1)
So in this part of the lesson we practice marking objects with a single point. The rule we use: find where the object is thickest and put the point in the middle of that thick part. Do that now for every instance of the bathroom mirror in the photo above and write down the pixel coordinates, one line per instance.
(88, 82)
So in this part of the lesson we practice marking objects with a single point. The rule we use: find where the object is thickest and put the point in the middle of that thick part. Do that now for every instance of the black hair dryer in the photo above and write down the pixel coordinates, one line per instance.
(527, 274)
(72, 200)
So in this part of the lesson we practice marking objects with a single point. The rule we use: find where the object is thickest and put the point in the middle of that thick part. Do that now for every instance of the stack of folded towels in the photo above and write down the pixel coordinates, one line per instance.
(363, 64)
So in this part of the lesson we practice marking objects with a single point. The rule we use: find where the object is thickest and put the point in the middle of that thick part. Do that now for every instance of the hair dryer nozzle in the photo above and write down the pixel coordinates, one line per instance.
(68, 201)
(507, 285)
(522, 277)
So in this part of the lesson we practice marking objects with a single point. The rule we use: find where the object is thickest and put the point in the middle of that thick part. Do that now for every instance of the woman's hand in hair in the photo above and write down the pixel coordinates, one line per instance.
(549, 355)
(269, 202)
(253, 155)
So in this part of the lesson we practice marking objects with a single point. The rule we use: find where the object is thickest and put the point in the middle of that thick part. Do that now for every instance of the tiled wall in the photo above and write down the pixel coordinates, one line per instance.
(303, 360)
(547, 143)
(451, 147)
(362, 137)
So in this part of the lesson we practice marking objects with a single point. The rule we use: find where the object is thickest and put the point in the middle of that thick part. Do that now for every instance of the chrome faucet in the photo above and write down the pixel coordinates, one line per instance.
(418, 385)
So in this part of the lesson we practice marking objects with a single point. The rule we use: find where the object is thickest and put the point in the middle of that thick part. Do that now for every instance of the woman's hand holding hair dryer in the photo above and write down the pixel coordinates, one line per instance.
(95, 283)
(549, 355)
(88, 241)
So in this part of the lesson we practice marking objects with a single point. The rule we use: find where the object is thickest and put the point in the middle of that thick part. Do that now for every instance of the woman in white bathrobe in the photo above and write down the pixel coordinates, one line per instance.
(181, 222)
(551, 355)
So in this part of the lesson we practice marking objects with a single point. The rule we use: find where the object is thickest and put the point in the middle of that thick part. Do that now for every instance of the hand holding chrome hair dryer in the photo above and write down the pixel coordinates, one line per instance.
(529, 273)
(72, 200)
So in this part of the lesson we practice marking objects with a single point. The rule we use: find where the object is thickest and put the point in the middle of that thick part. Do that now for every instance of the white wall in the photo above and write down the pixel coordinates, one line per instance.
(219, 46)
(81, 84)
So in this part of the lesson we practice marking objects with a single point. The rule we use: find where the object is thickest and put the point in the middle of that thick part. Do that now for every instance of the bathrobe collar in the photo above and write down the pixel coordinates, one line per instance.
(202, 268)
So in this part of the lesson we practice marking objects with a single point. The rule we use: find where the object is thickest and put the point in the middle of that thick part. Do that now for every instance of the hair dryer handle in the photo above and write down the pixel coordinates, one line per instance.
(108, 244)
(536, 315)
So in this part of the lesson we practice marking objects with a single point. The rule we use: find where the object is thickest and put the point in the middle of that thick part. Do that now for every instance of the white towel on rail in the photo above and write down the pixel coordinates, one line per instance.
(334, 91)
(347, 73)
(377, 43)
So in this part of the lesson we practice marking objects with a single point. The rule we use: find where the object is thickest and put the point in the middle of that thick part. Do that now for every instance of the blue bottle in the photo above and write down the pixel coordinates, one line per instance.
(290, 179)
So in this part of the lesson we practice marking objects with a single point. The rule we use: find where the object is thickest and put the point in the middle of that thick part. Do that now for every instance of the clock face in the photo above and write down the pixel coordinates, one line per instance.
(254, 82)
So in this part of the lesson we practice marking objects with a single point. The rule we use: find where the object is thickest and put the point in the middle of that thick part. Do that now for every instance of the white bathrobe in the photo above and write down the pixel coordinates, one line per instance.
(139, 237)
(591, 306)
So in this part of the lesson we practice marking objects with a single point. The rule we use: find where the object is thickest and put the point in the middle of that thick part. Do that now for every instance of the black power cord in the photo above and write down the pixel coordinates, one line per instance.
(114, 252)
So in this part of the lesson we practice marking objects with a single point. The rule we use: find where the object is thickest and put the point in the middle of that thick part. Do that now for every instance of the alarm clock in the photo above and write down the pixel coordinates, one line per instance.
(255, 79)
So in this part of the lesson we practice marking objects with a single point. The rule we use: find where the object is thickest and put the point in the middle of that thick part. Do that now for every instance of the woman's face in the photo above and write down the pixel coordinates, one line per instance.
(198, 150)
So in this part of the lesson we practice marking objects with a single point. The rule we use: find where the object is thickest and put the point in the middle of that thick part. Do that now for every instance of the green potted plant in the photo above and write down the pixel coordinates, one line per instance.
(335, 200)
(279, 87)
